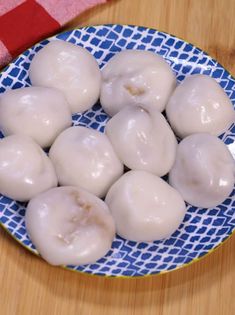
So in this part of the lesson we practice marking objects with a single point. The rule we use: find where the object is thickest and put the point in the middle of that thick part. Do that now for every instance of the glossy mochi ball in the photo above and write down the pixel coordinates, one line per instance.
(39, 112)
(69, 68)
(25, 169)
(142, 139)
(204, 170)
(136, 77)
(84, 157)
(69, 226)
(145, 208)
(199, 104)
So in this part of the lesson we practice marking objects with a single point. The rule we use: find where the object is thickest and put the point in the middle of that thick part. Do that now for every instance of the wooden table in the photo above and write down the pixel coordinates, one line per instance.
(30, 286)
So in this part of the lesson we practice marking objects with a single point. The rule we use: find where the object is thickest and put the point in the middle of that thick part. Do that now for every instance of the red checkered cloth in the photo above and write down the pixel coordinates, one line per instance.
(25, 22)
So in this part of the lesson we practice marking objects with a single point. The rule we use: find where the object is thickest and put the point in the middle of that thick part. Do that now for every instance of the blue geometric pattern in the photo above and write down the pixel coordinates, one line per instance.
(202, 229)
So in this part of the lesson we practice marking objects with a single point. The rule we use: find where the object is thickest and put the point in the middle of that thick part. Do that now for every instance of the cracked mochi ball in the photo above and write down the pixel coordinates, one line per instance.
(69, 226)
(199, 104)
(69, 68)
(39, 112)
(25, 169)
(136, 77)
(204, 170)
(142, 139)
(84, 157)
(145, 208)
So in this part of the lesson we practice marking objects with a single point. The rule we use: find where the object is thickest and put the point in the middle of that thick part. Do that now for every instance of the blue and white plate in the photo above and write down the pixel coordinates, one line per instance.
(202, 229)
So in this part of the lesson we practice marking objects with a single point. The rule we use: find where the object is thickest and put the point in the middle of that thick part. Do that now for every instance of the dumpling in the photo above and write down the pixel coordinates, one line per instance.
(84, 157)
(142, 139)
(204, 170)
(25, 169)
(69, 226)
(199, 104)
(136, 77)
(69, 68)
(39, 112)
(145, 208)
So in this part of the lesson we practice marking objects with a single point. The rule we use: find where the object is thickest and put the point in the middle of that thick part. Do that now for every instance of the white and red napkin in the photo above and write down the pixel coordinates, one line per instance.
(25, 22)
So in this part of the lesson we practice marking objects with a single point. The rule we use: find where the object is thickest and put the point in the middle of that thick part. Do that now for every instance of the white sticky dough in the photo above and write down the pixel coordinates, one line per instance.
(145, 208)
(142, 139)
(133, 77)
(69, 68)
(199, 104)
(25, 169)
(204, 170)
(84, 157)
(39, 112)
(69, 226)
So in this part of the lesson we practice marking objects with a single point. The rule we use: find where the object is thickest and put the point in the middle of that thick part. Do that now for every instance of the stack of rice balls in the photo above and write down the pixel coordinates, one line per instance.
(111, 182)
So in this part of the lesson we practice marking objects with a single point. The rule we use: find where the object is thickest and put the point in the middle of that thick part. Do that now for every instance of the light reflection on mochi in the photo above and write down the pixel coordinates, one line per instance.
(69, 226)
(142, 139)
(145, 208)
(204, 170)
(84, 157)
(39, 112)
(69, 68)
(199, 104)
(25, 169)
(136, 76)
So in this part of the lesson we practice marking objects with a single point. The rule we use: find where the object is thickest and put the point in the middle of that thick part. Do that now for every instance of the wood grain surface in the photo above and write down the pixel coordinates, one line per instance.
(30, 286)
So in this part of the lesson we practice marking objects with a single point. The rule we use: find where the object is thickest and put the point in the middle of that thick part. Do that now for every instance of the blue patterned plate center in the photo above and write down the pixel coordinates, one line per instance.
(202, 229)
